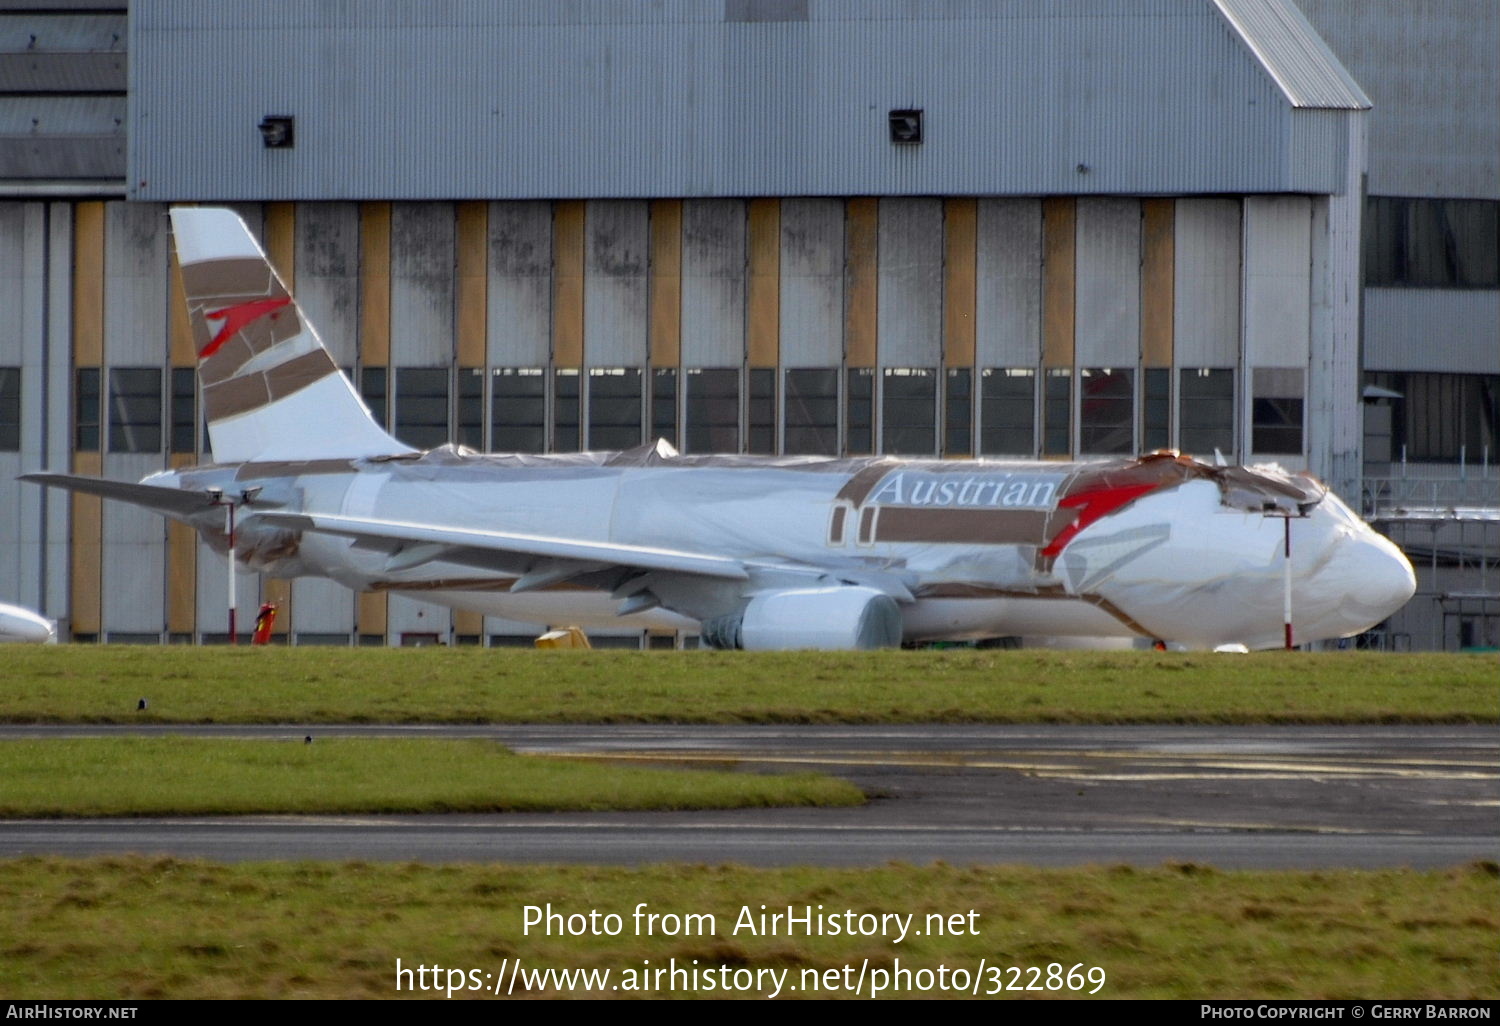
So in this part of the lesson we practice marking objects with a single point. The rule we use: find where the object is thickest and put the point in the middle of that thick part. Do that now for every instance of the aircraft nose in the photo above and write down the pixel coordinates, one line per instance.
(1368, 579)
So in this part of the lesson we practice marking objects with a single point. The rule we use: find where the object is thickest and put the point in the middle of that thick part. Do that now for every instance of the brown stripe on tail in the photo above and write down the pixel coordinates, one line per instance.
(238, 310)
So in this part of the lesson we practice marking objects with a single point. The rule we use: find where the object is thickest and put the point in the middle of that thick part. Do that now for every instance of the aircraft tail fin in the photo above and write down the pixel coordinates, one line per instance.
(271, 391)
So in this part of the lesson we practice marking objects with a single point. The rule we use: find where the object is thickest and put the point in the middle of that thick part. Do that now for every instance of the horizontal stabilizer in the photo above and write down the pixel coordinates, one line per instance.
(172, 501)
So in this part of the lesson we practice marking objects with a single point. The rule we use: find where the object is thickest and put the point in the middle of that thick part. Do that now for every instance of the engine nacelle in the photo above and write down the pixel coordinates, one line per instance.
(827, 618)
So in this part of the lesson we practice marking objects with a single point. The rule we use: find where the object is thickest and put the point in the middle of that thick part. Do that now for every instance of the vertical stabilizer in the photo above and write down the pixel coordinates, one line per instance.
(270, 389)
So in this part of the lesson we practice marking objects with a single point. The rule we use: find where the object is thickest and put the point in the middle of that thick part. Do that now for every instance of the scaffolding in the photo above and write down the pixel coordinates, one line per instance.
(1449, 527)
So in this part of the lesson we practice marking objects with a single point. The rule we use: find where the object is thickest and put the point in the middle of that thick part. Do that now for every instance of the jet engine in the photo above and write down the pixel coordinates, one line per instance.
(845, 617)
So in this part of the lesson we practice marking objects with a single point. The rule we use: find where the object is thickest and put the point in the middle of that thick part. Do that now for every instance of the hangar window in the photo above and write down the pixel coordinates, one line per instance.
(1432, 243)
(422, 406)
(518, 409)
(10, 409)
(470, 411)
(664, 404)
(184, 409)
(374, 386)
(859, 394)
(614, 407)
(761, 411)
(1156, 409)
(566, 413)
(908, 411)
(958, 412)
(86, 409)
(812, 411)
(1057, 412)
(1276, 413)
(1442, 418)
(713, 409)
(1007, 411)
(1205, 398)
(135, 409)
(1106, 412)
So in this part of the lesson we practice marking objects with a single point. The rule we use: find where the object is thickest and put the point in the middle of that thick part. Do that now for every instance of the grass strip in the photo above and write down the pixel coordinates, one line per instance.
(127, 928)
(190, 776)
(103, 684)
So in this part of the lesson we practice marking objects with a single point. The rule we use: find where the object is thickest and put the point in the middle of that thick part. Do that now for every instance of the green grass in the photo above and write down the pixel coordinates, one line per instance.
(129, 928)
(189, 776)
(101, 684)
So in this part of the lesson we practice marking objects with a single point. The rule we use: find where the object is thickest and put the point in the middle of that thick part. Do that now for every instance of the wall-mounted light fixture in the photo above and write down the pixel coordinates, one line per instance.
(276, 131)
(906, 127)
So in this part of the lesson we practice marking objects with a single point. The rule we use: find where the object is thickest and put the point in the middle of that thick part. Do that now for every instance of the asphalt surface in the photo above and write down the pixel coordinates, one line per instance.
(1234, 797)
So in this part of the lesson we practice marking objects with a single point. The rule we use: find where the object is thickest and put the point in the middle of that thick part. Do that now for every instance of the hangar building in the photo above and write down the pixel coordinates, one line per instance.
(1003, 228)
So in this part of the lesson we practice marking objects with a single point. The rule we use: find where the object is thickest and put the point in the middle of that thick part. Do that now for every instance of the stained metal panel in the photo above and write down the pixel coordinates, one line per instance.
(1277, 271)
(135, 285)
(911, 282)
(1108, 283)
(535, 100)
(422, 284)
(327, 260)
(134, 567)
(1008, 330)
(812, 282)
(520, 286)
(713, 283)
(616, 239)
(1206, 286)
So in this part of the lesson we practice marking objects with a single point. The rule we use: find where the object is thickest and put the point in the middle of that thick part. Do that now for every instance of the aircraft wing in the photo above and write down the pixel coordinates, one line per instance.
(416, 543)
(172, 501)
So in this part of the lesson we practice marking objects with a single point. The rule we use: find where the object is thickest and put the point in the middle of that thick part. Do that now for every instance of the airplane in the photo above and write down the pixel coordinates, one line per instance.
(18, 624)
(751, 552)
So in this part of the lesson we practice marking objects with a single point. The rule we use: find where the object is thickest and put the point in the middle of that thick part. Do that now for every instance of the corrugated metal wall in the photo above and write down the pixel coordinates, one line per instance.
(1429, 68)
(684, 98)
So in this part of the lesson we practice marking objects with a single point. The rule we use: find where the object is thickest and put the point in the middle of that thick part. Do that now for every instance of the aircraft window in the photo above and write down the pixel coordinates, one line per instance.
(184, 409)
(812, 411)
(135, 409)
(1156, 412)
(518, 409)
(762, 411)
(1106, 413)
(1007, 411)
(958, 412)
(1057, 412)
(664, 404)
(908, 406)
(859, 433)
(374, 383)
(614, 407)
(86, 410)
(713, 409)
(470, 426)
(10, 409)
(1205, 397)
(1276, 414)
(422, 406)
(566, 396)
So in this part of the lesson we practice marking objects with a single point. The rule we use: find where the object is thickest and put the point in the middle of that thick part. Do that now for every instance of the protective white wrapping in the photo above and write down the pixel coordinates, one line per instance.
(822, 618)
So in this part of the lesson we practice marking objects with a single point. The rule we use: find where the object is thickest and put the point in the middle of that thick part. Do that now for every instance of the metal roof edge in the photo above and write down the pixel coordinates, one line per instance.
(1284, 43)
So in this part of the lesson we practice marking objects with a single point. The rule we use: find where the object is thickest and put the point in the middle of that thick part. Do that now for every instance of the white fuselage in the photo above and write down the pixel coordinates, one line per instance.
(1176, 564)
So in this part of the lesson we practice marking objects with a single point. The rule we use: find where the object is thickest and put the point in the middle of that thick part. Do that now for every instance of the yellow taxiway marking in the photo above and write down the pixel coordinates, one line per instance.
(1268, 770)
